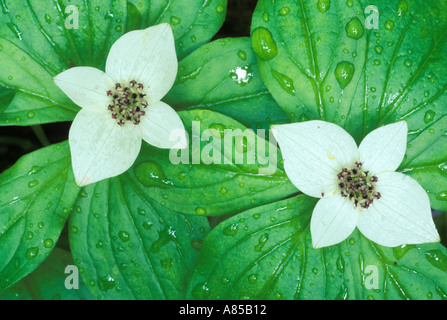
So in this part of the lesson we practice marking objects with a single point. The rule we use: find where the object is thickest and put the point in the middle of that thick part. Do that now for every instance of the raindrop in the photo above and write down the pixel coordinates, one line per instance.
(48, 243)
(429, 116)
(106, 283)
(231, 230)
(285, 82)
(241, 76)
(284, 11)
(354, 29)
(124, 236)
(378, 49)
(263, 44)
(261, 242)
(253, 278)
(323, 5)
(151, 174)
(31, 253)
(33, 183)
(201, 211)
(389, 25)
(175, 21)
(242, 54)
(200, 291)
(344, 73)
(402, 8)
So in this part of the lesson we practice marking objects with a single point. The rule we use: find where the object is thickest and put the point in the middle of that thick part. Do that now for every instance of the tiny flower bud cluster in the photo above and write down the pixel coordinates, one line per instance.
(358, 186)
(128, 103)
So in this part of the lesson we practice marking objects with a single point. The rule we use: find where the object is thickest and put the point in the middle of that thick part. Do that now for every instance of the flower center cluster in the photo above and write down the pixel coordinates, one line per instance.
(358, 186)
(128, 103)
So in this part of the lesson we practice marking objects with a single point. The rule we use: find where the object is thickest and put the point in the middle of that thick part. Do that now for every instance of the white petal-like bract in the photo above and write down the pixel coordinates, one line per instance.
(147, 56)
(401, 216)
(163, 128)
(333, 220)
(101, 149)
(384, 148)
(87, 87)
(314, 152)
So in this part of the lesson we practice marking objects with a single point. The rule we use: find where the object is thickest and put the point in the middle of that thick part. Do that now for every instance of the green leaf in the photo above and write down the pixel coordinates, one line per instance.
(6, 97)
(35, 98)
(36, 197)
(266, 253)
(194, 22)
(320, 62)
(47, 282)
(195, 187)
(223, 76)
(130, 247)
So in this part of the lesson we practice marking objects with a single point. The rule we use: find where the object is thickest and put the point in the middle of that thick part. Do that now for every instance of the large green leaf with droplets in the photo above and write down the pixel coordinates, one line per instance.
(215, 182)
(194, 22)
(130, 247)
(40, 39)
(320, 62)
(47, 282)
(36, 197)
(266, 253)
(223, 76)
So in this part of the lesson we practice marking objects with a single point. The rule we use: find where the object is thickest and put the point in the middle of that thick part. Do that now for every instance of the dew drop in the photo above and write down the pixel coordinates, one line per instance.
(242, 54)
(442, 196)
(124, 236)
(31, 253)
(263, 44)
(378, 49)
(389, 25)
(106, 283)
(175, 21)
(344, 73)
(253, 278)
(151, 174)
(241, 76)
(47, 18)
(261, 242)
(48, 243)
(33, 183)
(201, 211)
(231, 230)
(429, 116)
(402, 8)
(147, 225)
(437, 258)
(400, 251)
(200, 291)
(354, 29)
(323, 5)
(284, 11)
(285, 82)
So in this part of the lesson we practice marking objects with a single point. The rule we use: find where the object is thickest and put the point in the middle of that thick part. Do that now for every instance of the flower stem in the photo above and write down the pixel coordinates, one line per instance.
(41, 136)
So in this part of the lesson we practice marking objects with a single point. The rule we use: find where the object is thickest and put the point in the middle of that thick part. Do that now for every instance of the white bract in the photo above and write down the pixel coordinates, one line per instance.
(122, 105)
(357, 186)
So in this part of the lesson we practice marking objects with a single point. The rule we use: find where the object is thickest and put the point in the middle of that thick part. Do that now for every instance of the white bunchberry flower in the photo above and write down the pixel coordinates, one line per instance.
(357, 186)
(122, 106)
